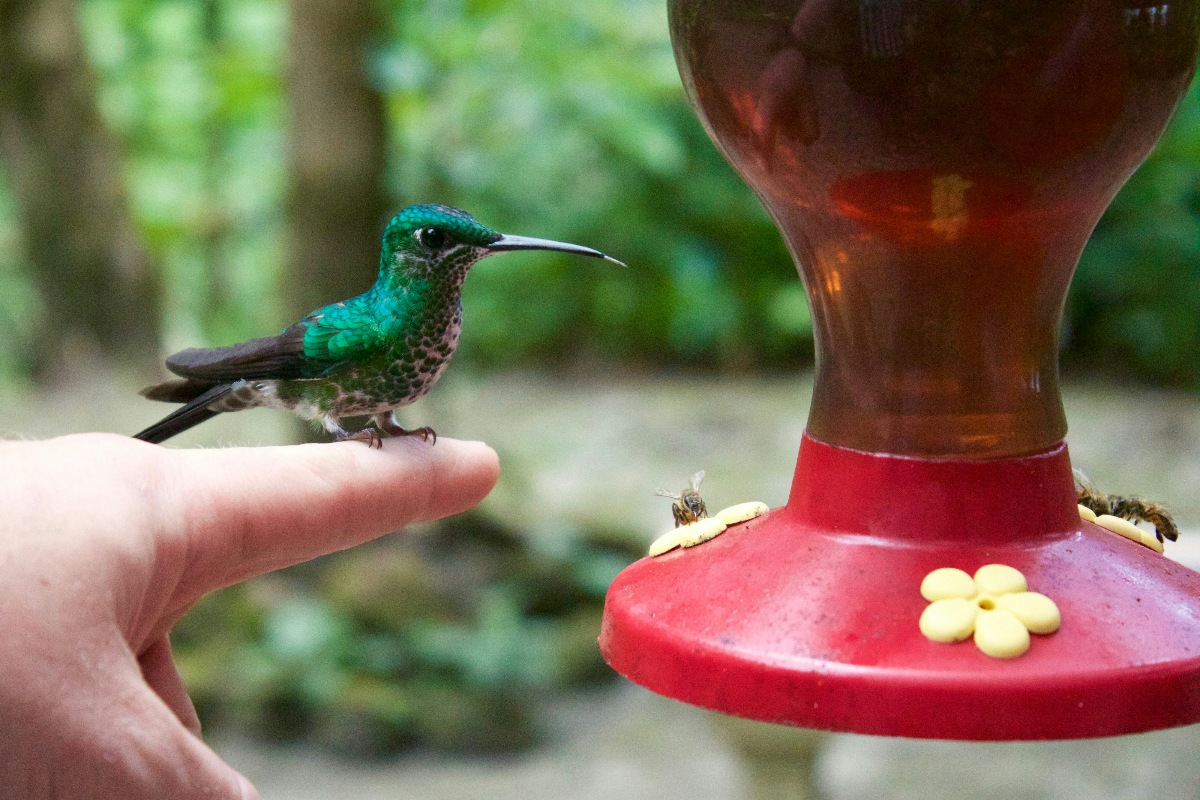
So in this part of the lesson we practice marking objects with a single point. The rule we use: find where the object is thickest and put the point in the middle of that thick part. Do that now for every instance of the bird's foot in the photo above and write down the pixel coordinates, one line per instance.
(368, 435)
(388, 425)
(340, 434)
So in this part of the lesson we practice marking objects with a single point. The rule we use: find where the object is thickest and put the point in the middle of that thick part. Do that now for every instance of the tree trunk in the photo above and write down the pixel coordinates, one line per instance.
(99, 293)
(337, 204)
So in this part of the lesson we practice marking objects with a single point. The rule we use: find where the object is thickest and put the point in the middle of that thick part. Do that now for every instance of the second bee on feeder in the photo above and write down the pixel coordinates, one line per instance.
(1134, 509)
(689, 505)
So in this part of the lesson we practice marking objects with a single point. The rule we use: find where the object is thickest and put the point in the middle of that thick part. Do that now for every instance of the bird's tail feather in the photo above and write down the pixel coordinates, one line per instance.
(192, 413)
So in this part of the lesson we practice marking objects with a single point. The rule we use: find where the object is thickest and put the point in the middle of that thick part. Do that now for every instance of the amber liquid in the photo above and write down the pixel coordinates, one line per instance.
(936, 167)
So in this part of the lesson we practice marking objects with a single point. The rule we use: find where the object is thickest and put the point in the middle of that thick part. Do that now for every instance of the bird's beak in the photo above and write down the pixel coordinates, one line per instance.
(507, 243)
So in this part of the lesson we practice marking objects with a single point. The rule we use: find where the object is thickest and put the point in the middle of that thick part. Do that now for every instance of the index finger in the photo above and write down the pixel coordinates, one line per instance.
(246, 511)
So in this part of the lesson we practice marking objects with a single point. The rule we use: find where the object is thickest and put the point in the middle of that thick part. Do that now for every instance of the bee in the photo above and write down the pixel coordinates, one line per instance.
(689, 505)
(1134, 509)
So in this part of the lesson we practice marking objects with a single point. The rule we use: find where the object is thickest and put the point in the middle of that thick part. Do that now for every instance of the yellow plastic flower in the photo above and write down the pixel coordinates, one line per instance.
(994, 606)
(702, 530)
(1122, 527)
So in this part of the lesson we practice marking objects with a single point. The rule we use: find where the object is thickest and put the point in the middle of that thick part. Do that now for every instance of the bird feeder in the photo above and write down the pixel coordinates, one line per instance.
(936, 169)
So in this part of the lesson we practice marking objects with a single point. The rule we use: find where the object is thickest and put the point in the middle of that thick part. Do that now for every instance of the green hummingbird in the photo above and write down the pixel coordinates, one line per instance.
(368, 355)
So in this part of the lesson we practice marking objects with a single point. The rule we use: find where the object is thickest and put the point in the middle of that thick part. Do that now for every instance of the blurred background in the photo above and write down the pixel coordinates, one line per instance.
(195, 172)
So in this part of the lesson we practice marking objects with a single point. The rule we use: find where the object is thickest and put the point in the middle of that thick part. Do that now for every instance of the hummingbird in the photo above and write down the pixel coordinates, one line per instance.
(365, 356)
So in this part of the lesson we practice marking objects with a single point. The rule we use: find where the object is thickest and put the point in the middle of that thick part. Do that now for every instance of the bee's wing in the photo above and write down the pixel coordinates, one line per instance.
(665, 493)
(1082, 481)
(699, 476)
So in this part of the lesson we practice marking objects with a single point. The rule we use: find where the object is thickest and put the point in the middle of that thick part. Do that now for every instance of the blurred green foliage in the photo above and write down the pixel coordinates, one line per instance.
(446, 638)
(492, 109)
(1135, 304)
(556, 119)
(195, 92)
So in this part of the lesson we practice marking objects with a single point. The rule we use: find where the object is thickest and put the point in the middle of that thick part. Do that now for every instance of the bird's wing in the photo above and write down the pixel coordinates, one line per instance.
(317, 344)
(279, 356)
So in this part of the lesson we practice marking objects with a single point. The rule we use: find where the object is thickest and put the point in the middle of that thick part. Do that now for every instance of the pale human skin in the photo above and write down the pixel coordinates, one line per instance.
(105, 542)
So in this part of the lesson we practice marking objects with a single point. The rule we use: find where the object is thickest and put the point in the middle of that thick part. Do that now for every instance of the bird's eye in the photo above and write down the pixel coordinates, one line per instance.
(431, 238)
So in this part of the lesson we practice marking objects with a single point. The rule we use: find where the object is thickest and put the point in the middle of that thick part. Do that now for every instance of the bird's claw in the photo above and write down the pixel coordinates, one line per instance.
(426, 433)
(368, 435)
(392, 428)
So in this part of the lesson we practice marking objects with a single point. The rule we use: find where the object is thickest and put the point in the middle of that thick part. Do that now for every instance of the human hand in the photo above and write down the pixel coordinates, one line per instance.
(105, 542)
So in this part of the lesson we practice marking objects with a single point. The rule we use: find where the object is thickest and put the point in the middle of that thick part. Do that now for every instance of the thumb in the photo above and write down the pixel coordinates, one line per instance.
(126, 742)
(171, 761)
(158, 669)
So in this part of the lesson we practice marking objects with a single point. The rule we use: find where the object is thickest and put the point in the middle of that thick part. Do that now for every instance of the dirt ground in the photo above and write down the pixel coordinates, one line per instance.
(595, 451)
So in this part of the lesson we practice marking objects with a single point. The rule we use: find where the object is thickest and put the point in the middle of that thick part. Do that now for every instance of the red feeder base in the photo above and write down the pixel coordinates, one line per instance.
(808, 615)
